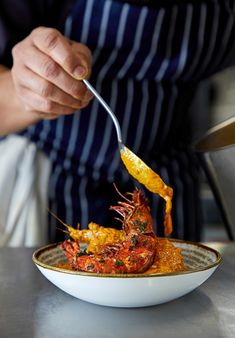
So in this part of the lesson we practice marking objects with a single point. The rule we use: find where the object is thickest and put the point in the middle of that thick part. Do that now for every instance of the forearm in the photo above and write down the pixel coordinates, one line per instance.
(13, 116)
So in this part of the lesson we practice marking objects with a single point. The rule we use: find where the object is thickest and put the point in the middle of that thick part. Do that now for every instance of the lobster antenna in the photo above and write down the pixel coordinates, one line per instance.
(118, 219)
(65, 231)
(56, 217)
(119, 193)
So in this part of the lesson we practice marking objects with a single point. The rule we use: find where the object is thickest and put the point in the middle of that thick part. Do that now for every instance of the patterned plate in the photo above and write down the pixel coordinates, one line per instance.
(130, 290)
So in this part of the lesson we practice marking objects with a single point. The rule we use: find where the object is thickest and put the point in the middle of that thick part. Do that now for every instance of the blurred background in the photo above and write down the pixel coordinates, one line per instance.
(217, 96)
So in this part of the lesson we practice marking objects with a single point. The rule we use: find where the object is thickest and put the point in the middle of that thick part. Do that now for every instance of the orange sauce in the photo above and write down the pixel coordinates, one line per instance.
(168, 258)
(151, 180)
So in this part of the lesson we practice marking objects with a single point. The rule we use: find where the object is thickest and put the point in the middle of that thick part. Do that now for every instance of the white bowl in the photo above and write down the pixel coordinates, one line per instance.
(130, 290)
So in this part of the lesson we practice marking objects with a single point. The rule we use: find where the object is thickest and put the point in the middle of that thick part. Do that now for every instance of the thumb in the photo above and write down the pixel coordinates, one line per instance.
(85, 59)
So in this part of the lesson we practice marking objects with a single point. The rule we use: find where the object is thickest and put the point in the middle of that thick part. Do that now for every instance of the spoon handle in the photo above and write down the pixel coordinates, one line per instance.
(104, 104)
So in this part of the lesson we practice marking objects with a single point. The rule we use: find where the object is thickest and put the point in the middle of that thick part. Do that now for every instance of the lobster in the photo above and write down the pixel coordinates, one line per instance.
(134, 254)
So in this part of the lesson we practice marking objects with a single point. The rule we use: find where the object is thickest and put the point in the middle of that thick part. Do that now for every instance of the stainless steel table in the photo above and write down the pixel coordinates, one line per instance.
(32, 307)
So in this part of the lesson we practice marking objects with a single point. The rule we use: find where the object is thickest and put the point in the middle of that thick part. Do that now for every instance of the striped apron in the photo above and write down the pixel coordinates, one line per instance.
(146, 64)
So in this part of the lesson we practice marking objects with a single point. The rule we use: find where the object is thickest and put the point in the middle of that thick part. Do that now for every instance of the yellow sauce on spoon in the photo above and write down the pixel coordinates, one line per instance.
(151, 180)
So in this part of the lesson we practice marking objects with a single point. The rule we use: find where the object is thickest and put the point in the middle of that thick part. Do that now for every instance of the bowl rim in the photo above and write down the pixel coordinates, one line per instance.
(47, 247)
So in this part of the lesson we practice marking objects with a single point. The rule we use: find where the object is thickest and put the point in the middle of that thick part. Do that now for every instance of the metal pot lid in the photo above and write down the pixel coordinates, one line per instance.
(218, 137)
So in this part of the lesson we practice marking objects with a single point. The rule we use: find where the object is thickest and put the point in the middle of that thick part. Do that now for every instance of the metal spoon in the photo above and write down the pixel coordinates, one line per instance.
(108, 109)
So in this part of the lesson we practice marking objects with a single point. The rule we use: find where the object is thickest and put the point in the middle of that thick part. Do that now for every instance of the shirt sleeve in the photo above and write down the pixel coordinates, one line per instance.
(19, 18)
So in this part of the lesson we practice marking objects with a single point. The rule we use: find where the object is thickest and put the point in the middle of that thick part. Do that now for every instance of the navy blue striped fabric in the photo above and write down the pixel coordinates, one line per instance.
(147, 63)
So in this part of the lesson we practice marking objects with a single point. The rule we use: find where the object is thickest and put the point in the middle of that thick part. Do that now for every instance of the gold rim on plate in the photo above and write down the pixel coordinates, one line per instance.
(131, 275)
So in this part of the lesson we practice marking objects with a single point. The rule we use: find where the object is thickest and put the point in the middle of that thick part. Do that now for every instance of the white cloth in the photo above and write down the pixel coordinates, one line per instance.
(24, 175)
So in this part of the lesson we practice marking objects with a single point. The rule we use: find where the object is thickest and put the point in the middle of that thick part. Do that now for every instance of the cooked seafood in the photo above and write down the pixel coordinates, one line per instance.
(134, 249)
(151, 180)
(134, 254)
(95, 236)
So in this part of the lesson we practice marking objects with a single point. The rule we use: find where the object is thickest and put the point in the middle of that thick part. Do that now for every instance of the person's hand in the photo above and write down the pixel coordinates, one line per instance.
(47, 72)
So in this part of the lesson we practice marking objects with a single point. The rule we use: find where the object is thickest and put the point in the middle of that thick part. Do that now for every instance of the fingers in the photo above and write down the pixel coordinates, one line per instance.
(46, 71)
(42, 96)
(48, 90)
(75, 59)
(50, 73)
(45, 107)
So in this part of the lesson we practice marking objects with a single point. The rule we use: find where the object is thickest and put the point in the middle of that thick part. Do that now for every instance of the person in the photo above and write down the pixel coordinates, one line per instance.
(146, 59)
